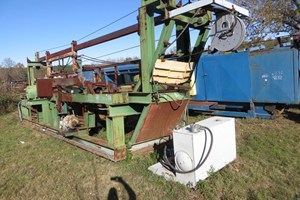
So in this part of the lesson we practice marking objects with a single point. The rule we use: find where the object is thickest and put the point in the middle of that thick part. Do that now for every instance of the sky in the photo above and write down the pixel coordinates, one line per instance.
(28, 26)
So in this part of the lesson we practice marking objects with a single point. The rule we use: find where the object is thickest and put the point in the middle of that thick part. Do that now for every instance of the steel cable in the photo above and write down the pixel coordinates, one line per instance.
(91, 32)
(106, 25)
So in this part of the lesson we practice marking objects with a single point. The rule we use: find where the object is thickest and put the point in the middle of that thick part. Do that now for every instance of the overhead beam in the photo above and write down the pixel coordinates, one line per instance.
(207, 4)
(111, 36)
(105, 38)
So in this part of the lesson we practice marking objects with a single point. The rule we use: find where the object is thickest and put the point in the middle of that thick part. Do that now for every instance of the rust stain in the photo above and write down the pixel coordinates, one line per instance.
(120, 154)
(66, 97)
(161, 120)
(44, 87)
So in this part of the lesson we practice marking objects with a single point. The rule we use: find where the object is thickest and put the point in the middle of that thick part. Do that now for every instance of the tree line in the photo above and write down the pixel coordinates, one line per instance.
(271, 17)
(11, 73)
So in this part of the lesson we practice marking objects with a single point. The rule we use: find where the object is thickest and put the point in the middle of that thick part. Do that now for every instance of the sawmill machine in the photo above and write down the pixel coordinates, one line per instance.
(110, 119)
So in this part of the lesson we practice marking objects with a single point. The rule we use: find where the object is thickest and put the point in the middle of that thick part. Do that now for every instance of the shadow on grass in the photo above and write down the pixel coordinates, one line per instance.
(292, 115)
(113, 194)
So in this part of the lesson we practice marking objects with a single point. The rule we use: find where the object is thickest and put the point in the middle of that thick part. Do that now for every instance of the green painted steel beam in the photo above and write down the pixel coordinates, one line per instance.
(137, 86)
(162, 46)
(172, 96)
(164, 97)
(31, 66)
(30, 75)
(125, 110)
(109, 99)
(140, 98)
(109, 131)
(200, 44)
(48, 114)
(194, 22)
(54, 115)
(163, 39)
(147, 41)
(31, 91)
(115, 131)
(89, 119)
(36, 102)
(139, 125)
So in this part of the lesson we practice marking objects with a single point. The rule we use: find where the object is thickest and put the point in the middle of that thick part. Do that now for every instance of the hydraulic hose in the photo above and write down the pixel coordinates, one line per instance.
(166, 162)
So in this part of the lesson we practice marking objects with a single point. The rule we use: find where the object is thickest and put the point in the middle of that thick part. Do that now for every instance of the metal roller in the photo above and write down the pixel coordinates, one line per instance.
(228, 33)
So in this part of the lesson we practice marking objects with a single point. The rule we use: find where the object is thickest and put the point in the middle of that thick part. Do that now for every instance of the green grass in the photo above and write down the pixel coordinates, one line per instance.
(37, 166)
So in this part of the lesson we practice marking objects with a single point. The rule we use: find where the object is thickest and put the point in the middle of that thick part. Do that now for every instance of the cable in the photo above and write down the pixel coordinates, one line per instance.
(54, 48)
(118, 51)
(91, 32)
(68, 61)
(230, 30)
(166, 161)
(133, 47)
(183, 30)
(65, 45)
(178, 104)
(129, 48)
(95, 59)
(106, 25)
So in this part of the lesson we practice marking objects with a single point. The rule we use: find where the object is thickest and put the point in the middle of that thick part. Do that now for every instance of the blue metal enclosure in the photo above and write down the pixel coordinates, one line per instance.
(247, 84)
(275, 76)
(124, 73)
(243, 84)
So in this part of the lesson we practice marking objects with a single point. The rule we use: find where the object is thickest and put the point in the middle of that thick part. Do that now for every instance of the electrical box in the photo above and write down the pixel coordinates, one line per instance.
(190, 146)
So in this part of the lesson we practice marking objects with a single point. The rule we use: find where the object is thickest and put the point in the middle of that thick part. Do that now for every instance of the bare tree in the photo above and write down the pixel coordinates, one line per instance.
(11, 73)
(8, 62)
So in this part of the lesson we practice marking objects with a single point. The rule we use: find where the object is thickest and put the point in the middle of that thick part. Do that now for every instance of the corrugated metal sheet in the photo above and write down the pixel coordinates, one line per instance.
(275, 76)
(224, 78)
(266, 77)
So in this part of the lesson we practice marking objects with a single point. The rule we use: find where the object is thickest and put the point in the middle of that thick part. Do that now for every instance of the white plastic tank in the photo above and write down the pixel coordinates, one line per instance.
(191, 143)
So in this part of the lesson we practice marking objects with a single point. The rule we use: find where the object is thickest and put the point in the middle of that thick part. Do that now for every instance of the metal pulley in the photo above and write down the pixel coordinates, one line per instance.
(228, 33)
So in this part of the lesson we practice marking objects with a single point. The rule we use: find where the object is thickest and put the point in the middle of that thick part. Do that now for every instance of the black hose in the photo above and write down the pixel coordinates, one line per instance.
(166, 161)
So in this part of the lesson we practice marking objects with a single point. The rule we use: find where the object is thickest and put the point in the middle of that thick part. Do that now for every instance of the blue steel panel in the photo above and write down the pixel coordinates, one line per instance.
(89, 75)
(224, 78)
(200, 86)
(123, 69)
(273, 76)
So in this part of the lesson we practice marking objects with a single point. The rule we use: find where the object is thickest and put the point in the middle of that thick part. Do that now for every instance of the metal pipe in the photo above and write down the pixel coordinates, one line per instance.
(105, 38)
(120, 33)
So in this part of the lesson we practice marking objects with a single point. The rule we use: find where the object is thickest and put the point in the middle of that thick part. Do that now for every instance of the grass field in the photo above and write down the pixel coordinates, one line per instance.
(37, 166)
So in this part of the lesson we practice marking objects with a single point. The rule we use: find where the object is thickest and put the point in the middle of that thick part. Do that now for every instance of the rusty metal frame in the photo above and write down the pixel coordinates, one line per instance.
(151, 102)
